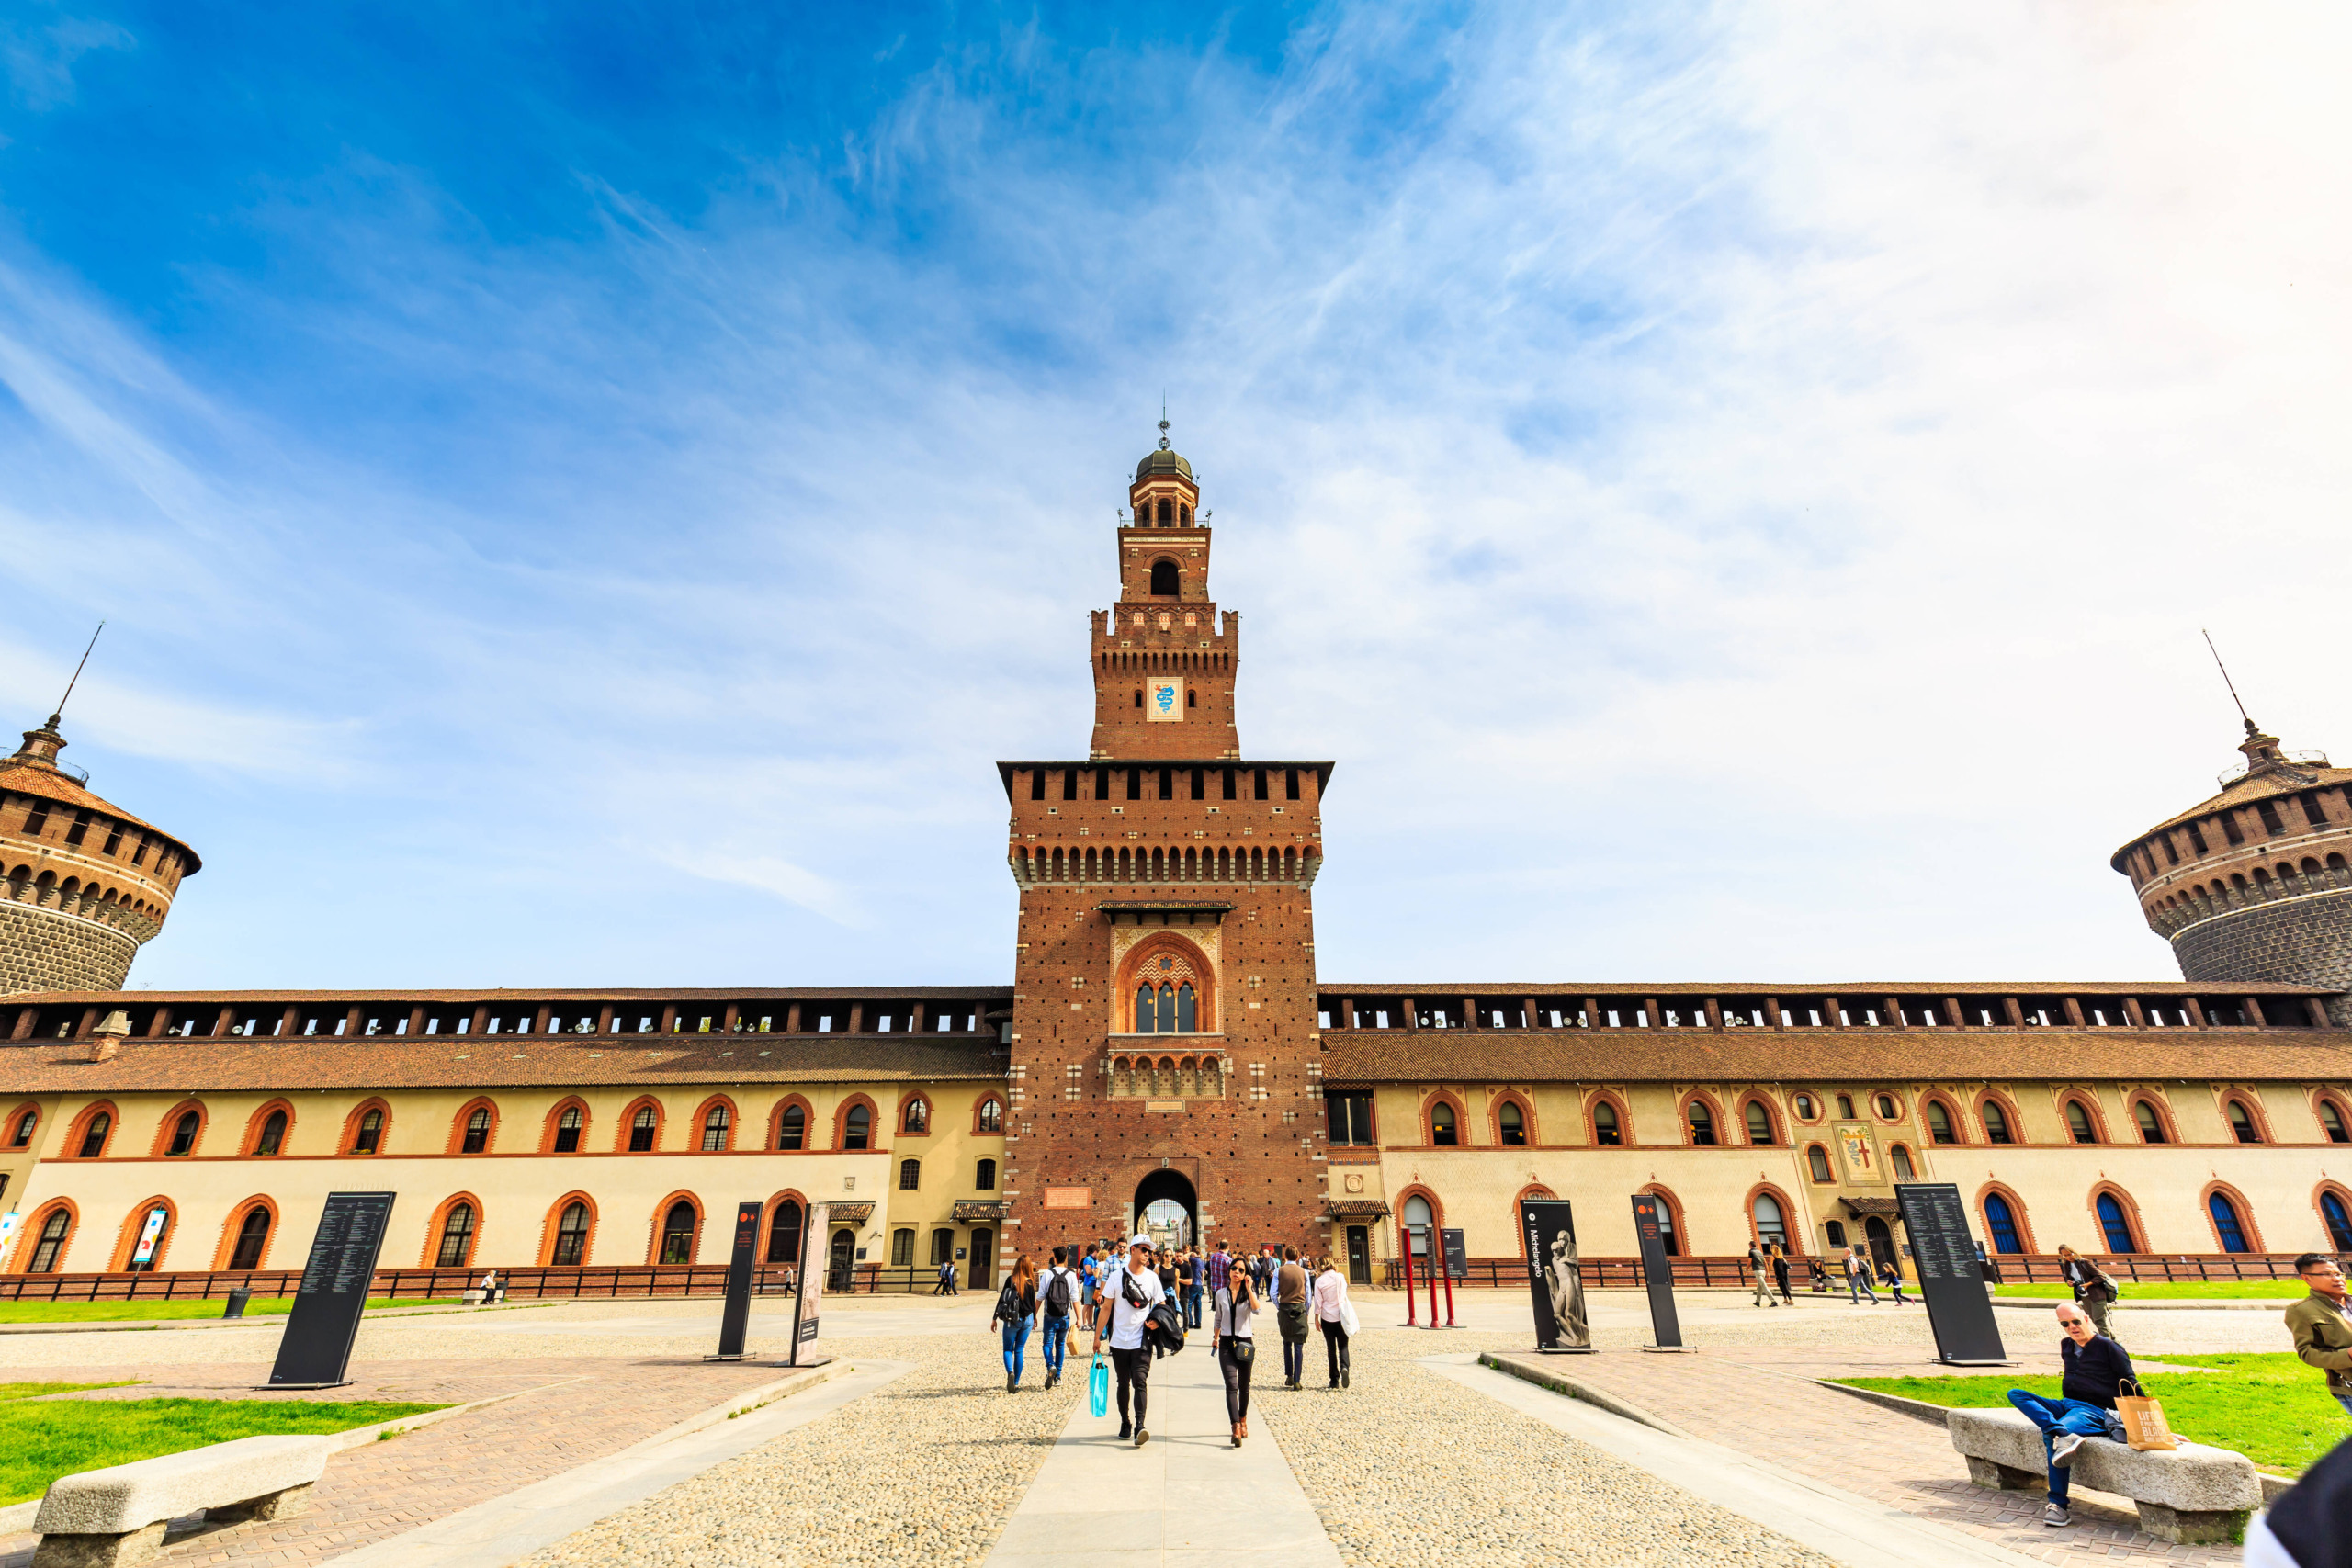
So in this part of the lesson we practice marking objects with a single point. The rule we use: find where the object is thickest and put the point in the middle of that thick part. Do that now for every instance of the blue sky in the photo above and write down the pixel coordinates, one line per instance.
(584, 495)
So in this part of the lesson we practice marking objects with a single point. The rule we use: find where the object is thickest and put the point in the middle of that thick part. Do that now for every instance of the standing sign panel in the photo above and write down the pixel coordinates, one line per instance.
(316, 1346)
(735, 1322)
(1556, 1276)
(814, 1245)
(1658, 1272)
(1950, 1282)
(1457, 1255)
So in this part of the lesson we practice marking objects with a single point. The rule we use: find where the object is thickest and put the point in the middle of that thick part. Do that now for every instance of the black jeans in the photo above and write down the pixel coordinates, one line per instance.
(1335, 1347)
(1294, 1359)
(1237, 1379)
(1133, 1368)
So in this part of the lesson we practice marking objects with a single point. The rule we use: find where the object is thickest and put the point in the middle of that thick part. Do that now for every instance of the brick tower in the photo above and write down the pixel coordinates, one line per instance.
(87, 883)
(2254, 884)
(1164, 1042)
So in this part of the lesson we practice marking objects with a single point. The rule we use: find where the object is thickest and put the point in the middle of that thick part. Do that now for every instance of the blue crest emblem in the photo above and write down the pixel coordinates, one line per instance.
(1165, 697)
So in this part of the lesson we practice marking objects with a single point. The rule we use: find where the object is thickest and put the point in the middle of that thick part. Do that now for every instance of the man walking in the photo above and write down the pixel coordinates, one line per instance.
(1290, 1315)
(2322, 1325)
(2094, 1366)
(1759, 1271)
(939, 1284)
(1056, 1302)
(2094, 1292)
(1193, 1274)
(1858, 1278)
(1217, 1270)
(1130, 1291)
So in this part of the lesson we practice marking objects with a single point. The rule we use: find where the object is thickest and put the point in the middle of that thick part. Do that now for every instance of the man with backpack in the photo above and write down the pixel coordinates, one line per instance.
(1056, 1302)
(2093, 1290)
(1130, 1291)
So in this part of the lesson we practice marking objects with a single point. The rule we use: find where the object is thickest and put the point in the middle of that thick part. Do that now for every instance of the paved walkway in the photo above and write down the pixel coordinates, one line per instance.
(1185, 1498)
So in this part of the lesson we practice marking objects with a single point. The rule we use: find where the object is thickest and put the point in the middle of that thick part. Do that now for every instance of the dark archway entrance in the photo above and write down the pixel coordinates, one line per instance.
(1166, 1207)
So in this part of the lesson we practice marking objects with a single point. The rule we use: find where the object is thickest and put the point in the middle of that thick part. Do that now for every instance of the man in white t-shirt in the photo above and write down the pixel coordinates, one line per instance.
(1129, 1291)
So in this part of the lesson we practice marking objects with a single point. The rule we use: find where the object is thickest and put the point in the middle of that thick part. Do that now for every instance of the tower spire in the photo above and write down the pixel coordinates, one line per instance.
(1163, 422)
(2251, 727)
(77, 677)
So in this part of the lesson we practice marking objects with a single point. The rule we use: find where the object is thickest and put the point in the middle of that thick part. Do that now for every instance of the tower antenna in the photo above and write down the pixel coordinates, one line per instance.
(2226, 681)
(1163, 420)
(77, 677)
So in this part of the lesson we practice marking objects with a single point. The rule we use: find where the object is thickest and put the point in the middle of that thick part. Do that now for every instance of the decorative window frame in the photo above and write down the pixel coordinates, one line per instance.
(1437, 1217)
(1809, 1149)
(1902, 1104)
(249, 1146)
(547, 1125)
(2017, 1212)
(346, 1146)
(1961, 1132)
(490, 1138)
(2091, 1108)
(1911, 1151)
(697, 1127)
(1207, 980)
(1526, 1120)
(1794, 1215)
(2343, 1194)
(662, 1212)
(874, 1126)
(628, 1119)
(165, 1129)
(930, 1113)
(1616, 1102)
(554, 1218)
(1773, 1122)
(774, 1206)
(809, 1128)
(2320, 1096)
(1820, 1108)
(1429, 1102)
(127, 1239)
(33, 1145)
(431, 1252)
(2164, 1115)
(1714, 1112)
(2247, 1220)
(29, 1241)
(234, 1225)
(2008, 1107)
(2254, 1110)
(979, 1107)
(76, 1131)
(2132, 1218)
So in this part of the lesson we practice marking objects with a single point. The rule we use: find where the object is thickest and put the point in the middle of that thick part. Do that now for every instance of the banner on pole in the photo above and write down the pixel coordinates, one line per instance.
(813, 1247)
(1658, 1272)
(1555, 1275)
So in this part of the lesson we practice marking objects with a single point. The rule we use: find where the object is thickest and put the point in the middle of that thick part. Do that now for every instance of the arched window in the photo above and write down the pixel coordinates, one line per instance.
(457, 1237)
(370, 1135)
(2001, 1220)
(1147, 1014)
(52, 1244)
(25, 1126)
(1816, 1163)
(1510, 1123)
(1186, 1012)
(570, 1237)
(2078, 1122)
(273, 1133)
(1940, 1127)
(1418, 1222)
(1442, 1131)
(566, 1131)
(792, 1128)
(1806, 1109)
(678, 1233)
(2331, 1121)
(2152, 1126)
(2116, 1224)
(477, 1137)
(159, 1215)
(991, 1115)
(1702, 1123)
(2242, 1122)
(1902, 1170)
(2226, 1224)
(984, 1180)
(1996, 1125)
(857, 1127)
(1887, 1108)
(783, 1233)
(1770, 1226)
(1759, 1122)
(1606, 1129)
(253, 1237)
(918, 1117)
(94, 1136)
(641, 1130)
(910, 1175)
(1667, 1237)
(713, 1129)
(1163, 573)
(184, 1133)
(2338, 1220)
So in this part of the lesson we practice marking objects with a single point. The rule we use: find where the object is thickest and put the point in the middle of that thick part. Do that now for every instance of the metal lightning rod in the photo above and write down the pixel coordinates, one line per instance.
(2225, 678)
(77, 677)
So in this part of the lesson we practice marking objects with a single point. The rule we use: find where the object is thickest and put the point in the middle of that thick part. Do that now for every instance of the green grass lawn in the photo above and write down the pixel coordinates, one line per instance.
(137, 1312)
(9, 1390)
(2270, 1407)
(39, 1442)
(2279, 1291)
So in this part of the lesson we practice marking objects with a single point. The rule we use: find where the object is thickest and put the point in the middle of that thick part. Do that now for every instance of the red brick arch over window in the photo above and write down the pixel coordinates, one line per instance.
(1960, 1132)
(2091, 1108)
(1437, 1213)
(702, 1115)
(662, 1212)
(1772, 1120)
(2247, 1220)
(555, 1116)
(1518, 1207)
(2254, 1111)
(1986, 1097)
(1714, 1113)
(2319, 1098)
(2131, 1216)
(930, 1113)
(351, 1126)
(2157, 1103)
(554, 1218)
(875, 1128)
(465, 1114)
(127, 1240)
(440, 1217)
(1616, 1102)
(809, 1130)
(1526, 1118)
(2017, 1212)
(28, 1239)
(1192, 964)
(260, 1118)
(1446, 1096)
(226, 1247)
(767, 1224)
(628, 1119)
(72, 1147)
(166, 1128)
(980, 1116)
(15, 1117)
(1794, 1217)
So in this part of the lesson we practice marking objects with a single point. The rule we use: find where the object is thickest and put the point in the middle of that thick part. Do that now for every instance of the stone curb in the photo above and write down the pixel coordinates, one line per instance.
(1559, 1383)
(273, 1320)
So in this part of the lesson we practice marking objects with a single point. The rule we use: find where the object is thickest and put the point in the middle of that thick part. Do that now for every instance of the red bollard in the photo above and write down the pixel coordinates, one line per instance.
(1437, 1267)
(1408, 1280)
(1449, 1298)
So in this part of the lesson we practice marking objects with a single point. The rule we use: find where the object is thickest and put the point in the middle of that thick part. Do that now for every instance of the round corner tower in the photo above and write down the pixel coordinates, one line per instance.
(87, 883)
(2256, 884)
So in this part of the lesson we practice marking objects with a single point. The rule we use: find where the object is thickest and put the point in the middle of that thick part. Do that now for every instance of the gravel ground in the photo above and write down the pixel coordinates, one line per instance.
(1407, 1468)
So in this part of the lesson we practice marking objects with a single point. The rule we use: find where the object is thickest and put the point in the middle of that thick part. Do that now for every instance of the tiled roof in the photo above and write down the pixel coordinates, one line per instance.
(1769, 1055)
(34, 778)
(1852, 990)
(2265, 783)
(495, 994)
(175, 1065)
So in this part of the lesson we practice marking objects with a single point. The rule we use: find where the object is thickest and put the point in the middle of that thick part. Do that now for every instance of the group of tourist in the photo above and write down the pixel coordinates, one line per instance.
(1768, 1269)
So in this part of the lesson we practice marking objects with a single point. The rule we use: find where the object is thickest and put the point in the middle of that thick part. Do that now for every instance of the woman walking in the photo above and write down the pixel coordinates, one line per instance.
(1892, 1277)
(1234, 1316)
(1337, 1316)
(1016, 1311)
(1781, 1272)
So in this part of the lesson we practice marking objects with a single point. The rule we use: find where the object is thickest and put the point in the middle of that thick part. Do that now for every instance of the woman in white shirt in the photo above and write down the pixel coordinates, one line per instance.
(1337, 1316)
(1236, 1346)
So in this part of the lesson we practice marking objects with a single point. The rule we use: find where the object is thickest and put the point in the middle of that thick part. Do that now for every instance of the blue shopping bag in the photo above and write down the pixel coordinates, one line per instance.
(1098, 1386)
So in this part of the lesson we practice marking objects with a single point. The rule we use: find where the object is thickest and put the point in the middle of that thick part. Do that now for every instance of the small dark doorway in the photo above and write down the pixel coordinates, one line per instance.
(844, 1254)
(1163, 577)
(983, 1259)
(1166, 1208)
(1359, 1255)
(1881, 1240)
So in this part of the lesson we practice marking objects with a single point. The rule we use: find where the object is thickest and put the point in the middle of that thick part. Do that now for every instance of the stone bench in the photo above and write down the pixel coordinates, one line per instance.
(2193, 1495)
(102, 1517)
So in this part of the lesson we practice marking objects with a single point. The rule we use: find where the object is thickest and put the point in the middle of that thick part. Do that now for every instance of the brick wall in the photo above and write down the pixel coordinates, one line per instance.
(41, 950)
(2307, 941)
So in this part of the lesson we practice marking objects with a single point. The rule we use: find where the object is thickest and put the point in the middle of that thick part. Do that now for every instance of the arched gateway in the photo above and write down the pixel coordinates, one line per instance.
(1167, 1208)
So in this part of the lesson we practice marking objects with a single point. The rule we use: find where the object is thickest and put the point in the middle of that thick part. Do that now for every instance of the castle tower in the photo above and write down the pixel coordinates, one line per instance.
(87, 883)
(2254, 884)
(1164, 1029)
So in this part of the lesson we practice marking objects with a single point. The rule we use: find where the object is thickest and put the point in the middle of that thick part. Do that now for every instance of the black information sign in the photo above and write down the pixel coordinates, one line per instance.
(1657, 1273)
(1951, 1281)
(736, 1320)
(1556, 1276)
(316, 1346)
(1457, 1255)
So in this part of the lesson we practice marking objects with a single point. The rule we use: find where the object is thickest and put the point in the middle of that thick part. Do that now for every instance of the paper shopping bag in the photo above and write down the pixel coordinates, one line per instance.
(2144, 1421)
(1098, 1387)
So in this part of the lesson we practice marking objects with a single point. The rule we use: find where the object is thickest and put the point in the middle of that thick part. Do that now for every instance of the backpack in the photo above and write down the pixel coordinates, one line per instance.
(1008, 1304)
(1058, 1294)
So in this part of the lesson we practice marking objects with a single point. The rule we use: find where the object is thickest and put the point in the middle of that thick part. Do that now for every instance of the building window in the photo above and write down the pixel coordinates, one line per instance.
(31, 1119)
(792, 1128)
(1846, 1106)
(2242, 1123)
(184, 1134)
(1511, 1123)
(1759, 1122)
(1940, 1126)
(2152, 1127)
(252, 1236)
(370, 1135)
(273, 1133)
(1888, 1111)
(2114, 1223)
(918, 1118)
(2331, 1121)
(477, 1137)
(902, 1249)
(991, 1115)
(1419, 1221)
(1996, 1125)
(566, 1131)
(571, 1236)
(2078, 1122)
(1350, 1116)
(94, 1136)
(2226, 1224)
(457, 1237)
(678, 1233)
(2338, 1219)
(160, 1218)
(1702, 1124)
(714, 1130)
(910, 1175)
(1668, 1237)
(1806, 1109)
(1606, 1129)
(1835, 1231)
(1903, 1171)
(984, 1179)
(1442, 1131)
(856, 1127)
(2002, 1223)
(783, 1233)
(52, 1243)
(943, 1247)
(640, 1131)
(1816, 1161)
(1772, 1228)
